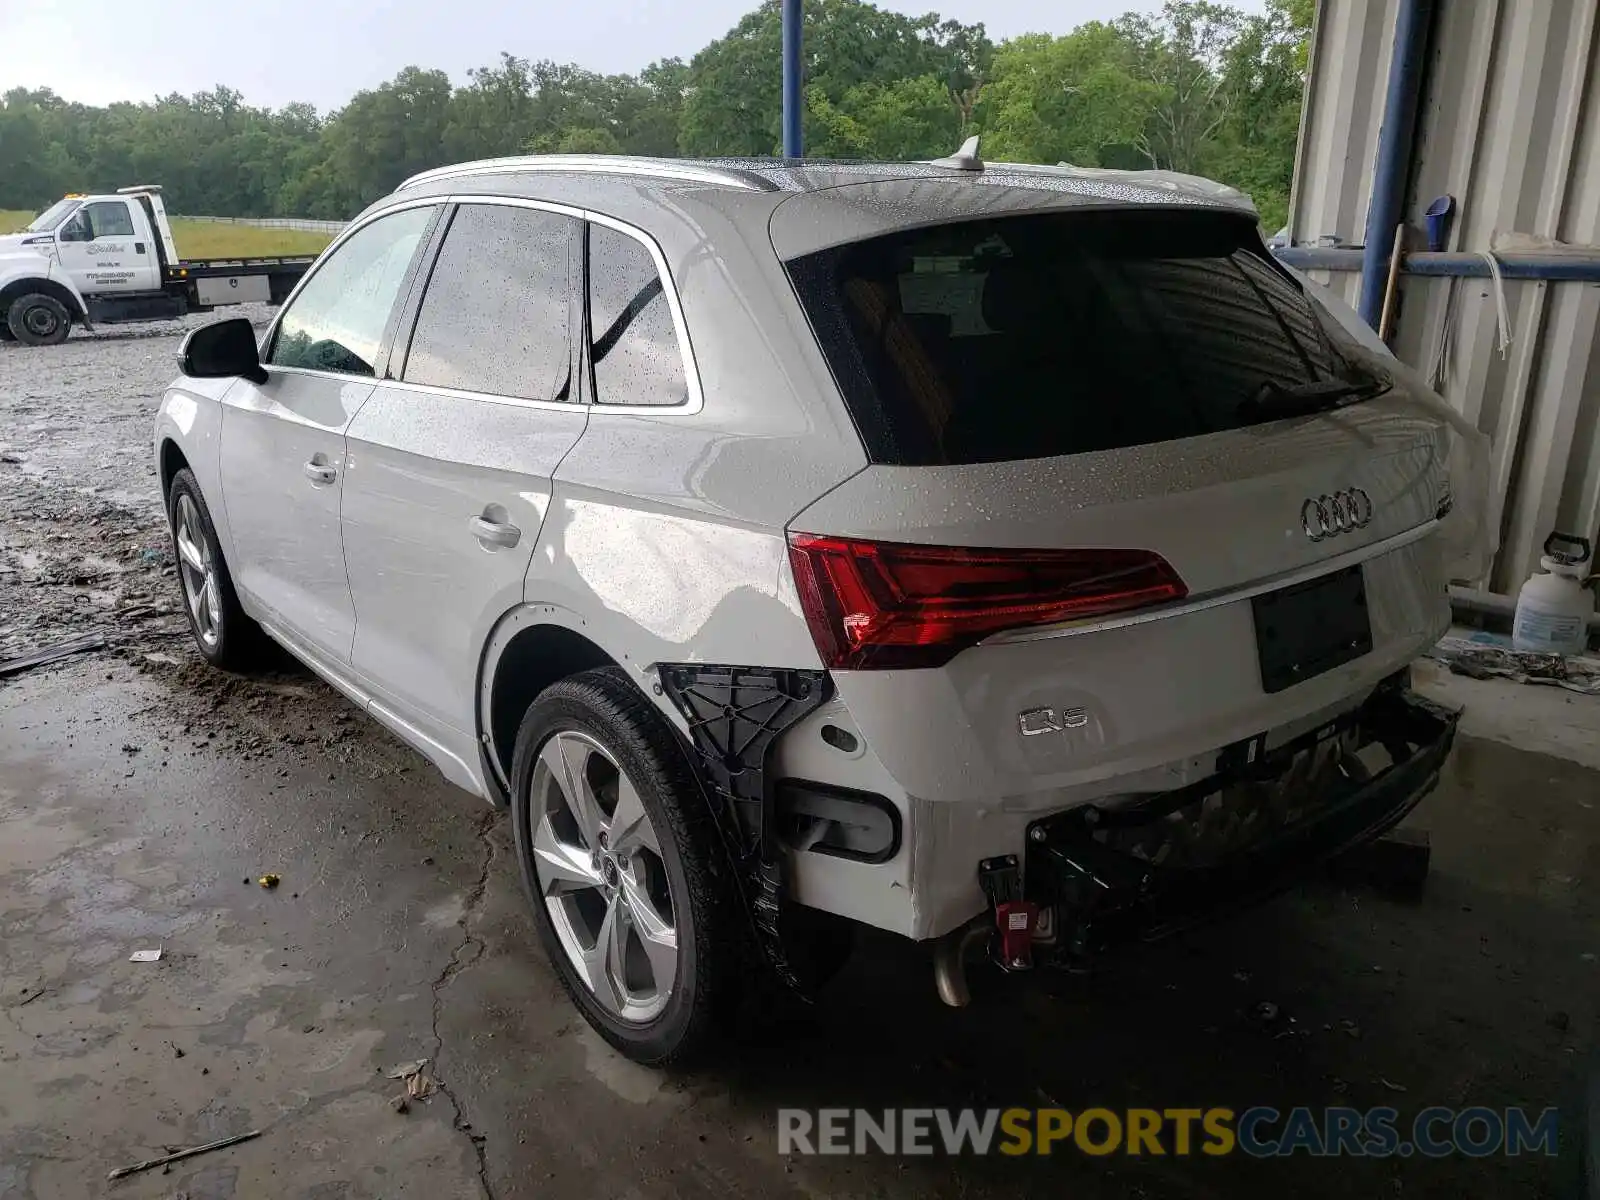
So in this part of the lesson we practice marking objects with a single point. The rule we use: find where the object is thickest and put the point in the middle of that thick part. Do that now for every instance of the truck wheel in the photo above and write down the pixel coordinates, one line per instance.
(223, 634)
(5, 332)
(39, 320)
(621, 861)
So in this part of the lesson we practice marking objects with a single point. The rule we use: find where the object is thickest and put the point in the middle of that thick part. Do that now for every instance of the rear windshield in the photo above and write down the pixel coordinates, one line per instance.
(1060, 333)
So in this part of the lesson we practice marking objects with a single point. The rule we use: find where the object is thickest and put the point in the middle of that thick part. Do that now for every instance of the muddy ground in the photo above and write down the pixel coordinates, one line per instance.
(142, 796)
(82, 543)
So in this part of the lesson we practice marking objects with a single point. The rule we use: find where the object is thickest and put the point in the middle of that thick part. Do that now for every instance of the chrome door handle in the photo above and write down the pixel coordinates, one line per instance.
(495, 533)
(320, 472)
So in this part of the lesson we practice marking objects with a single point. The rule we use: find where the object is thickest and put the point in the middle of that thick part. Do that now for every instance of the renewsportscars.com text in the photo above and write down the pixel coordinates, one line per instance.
(1260, 1132)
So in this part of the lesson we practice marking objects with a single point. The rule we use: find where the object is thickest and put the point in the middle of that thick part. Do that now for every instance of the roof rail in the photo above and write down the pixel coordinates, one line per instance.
(600, 164)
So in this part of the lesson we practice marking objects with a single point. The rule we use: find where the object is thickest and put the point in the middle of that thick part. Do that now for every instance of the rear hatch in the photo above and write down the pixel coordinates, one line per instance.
(1133, 498)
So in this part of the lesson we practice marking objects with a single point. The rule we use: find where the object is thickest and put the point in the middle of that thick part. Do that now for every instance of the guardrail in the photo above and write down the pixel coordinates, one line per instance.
(305, 224)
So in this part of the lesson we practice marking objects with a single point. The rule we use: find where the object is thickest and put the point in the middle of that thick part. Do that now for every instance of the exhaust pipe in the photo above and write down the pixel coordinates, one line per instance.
(950, 960)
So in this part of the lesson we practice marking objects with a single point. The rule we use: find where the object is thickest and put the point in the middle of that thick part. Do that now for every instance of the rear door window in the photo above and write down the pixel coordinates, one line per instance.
(634, 340)
(496, 316)
(1060, 333)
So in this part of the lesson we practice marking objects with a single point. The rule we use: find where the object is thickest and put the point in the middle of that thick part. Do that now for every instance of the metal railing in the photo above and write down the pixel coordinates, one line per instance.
(301, 223)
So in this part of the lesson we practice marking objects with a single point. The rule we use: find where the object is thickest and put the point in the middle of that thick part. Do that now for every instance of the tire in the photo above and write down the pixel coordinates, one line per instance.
(5, 332)
(599, 723)
(223, 634)
(36, 319)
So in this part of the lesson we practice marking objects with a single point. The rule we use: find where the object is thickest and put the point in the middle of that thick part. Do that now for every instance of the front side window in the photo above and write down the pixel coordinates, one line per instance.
(109, 218)
(635, 349)
(336, 323)
(496, 315)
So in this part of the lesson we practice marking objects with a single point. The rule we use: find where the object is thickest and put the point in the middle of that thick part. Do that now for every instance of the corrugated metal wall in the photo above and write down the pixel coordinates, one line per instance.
(1509, 125)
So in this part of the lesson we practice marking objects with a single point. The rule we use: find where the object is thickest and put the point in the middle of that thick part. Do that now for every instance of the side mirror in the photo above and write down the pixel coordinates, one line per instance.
(76, 230)
(221, 351)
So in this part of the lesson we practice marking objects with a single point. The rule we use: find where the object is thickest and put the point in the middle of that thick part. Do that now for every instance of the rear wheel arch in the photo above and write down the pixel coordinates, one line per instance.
(537, 646)
(531, 648)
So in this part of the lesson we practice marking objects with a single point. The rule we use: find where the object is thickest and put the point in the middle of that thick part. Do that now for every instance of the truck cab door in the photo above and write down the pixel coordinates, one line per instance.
(107, 247)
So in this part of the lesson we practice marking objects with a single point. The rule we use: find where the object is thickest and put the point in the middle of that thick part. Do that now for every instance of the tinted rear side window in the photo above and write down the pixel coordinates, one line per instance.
(1050, 334)
(635, 343)
(496, 317)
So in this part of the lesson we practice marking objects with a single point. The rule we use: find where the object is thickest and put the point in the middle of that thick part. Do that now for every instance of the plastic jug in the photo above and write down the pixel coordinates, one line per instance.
(1554, 606)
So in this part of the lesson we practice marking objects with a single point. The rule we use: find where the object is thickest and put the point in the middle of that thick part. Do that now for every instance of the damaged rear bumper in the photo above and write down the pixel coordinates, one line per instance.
(1102, 876)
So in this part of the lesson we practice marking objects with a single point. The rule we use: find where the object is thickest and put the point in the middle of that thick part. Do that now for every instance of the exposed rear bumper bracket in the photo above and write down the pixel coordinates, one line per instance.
(734, 714)
(1285, 818)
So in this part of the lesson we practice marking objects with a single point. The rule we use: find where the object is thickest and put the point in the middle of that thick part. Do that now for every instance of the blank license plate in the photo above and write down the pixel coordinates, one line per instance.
(1310, 628)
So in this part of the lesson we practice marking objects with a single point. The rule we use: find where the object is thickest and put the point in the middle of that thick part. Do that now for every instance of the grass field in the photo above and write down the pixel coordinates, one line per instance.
(209, 239)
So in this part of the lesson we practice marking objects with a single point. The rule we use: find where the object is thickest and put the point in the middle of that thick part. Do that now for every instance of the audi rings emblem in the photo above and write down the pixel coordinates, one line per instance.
(1328, 516)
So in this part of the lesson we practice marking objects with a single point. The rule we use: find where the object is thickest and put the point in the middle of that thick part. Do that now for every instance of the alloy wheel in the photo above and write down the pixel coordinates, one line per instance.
(197, 573)
(597, 859)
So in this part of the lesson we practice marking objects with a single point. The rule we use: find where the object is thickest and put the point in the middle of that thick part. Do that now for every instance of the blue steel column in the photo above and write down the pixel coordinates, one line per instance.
(1406, 71)
(793, 135)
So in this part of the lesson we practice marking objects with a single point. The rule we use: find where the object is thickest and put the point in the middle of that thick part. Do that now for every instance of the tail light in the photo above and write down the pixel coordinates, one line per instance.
(892, 605)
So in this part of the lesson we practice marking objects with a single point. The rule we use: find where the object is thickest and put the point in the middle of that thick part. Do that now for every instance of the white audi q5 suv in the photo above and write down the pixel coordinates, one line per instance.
(1007, 557)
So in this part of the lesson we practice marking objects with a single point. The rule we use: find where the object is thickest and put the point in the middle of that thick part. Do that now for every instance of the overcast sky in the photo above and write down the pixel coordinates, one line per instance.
(324, 51)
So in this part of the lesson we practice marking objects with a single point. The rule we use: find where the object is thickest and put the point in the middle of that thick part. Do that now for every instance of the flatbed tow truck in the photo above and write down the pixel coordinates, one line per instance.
(92, 260)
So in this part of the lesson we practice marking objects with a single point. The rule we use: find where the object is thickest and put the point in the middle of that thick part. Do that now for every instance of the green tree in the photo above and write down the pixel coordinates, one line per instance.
(905, 119)
(1265, 71)
(734, 105)
(653, 127)
(386, 134)
(31, 170)
(1064, 99)
(1199, 87)
(1181, 55)
(585, 140)
(493, 114)
(832, 132)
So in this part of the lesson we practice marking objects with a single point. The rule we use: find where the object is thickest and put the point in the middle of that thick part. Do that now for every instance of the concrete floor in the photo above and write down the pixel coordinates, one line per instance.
(141, 795)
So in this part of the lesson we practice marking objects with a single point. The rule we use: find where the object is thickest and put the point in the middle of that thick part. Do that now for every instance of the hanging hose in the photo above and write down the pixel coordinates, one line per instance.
(1502, 317)
(1439, 372)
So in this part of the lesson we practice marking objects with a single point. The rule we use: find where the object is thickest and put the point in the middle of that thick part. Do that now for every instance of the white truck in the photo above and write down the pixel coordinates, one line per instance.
(107, 259)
